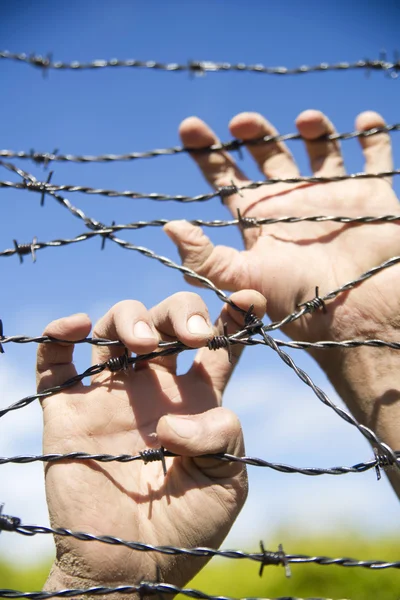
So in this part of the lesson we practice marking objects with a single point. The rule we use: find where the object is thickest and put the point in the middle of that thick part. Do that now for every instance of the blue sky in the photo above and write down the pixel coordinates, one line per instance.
(122, 110)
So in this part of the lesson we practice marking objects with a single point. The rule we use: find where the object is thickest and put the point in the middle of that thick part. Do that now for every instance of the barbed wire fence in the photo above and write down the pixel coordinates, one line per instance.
(253, 332)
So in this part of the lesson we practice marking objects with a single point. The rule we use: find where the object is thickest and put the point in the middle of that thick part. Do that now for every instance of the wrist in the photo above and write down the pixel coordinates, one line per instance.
(60, 580)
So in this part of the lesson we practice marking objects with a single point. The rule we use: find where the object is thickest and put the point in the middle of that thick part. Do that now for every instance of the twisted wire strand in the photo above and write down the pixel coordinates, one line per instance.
(99, 228)
(222, 192)
(143, 588)
(45, 158)
(246, 341)
(311, 305)
(31, 183)
(168, 349)
(377, 462)
(104, 231)
(200, 67)
(266, 557)
(370, 435)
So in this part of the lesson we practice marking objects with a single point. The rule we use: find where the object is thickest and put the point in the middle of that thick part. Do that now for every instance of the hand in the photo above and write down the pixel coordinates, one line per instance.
(285, 262)
(196, 503)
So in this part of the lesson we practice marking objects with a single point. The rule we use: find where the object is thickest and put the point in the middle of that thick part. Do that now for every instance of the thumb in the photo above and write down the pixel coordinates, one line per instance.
(223, 265)
(215, 431)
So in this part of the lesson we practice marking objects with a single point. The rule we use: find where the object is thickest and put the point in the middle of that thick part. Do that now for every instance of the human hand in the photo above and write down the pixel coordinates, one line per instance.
(196, 503)
(285, 262)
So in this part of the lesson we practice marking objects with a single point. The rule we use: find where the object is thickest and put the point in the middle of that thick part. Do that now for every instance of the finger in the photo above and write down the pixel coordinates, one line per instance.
(54, 360)
(377, 148)
(273, 158)
(225, 266)
(184, 317)
(325, 155)
(218, 168)
(129, 322)
(214, 366)
(215, 431)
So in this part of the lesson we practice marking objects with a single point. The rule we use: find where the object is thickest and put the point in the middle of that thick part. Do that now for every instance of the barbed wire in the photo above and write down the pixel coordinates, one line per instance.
(142, 588)
(246, 341)
(265, 557)
(242, 222)
(233, 145)
(322, 396)
(104, 231)
(150, 455)
(201, 67)
(385, 456)
(222, 192)
(253, 325)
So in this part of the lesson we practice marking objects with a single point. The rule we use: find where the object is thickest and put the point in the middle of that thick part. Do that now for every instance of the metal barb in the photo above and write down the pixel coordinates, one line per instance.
(24, 249)
(8, 523)
(221, 341)
(252, 323)
(315, 303)
(154, 454)
(44, 189)
(1, 345)
(284, 561)
(274, 558)
(105, 236)
(118, 363)
(246, 222)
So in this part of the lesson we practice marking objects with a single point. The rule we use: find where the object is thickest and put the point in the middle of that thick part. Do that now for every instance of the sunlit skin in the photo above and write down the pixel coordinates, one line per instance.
(198, 500)
(286, 262)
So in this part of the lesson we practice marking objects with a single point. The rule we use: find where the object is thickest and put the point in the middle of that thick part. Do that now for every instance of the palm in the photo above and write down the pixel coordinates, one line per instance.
(127, 412)
(295, 258)
(123, 419)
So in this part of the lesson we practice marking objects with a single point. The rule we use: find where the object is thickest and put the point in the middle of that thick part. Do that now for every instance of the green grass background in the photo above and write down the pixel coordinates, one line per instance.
(239, 578)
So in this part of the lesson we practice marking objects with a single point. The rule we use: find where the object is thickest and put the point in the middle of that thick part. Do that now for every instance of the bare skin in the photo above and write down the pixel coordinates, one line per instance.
(286, 262)
(196, 503)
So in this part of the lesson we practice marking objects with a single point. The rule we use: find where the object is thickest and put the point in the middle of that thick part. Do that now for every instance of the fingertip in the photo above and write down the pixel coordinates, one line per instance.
(68, 327)
(143, 338)
(246, 125)
(195, 133)
(174, 228)
(246, 298)
(311, 123)
(199, 329)
(369, 119)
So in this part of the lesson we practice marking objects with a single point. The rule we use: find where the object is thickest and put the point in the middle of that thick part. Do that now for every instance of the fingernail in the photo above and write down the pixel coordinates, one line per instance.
(184, 427)
(198, 325)
(143, 331)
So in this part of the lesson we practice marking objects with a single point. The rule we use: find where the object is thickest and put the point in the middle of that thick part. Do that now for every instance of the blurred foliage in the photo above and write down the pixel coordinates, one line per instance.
(25, 578)
(239, 578)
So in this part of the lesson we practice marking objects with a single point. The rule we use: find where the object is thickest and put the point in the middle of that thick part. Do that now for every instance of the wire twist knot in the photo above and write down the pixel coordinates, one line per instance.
(274, 558)
(118, 363)
(383, 461)
(24, 249)
(246, 222)
(252, 323)
(221, 341)
(8, 523)
(153, 455)
(315, 303)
